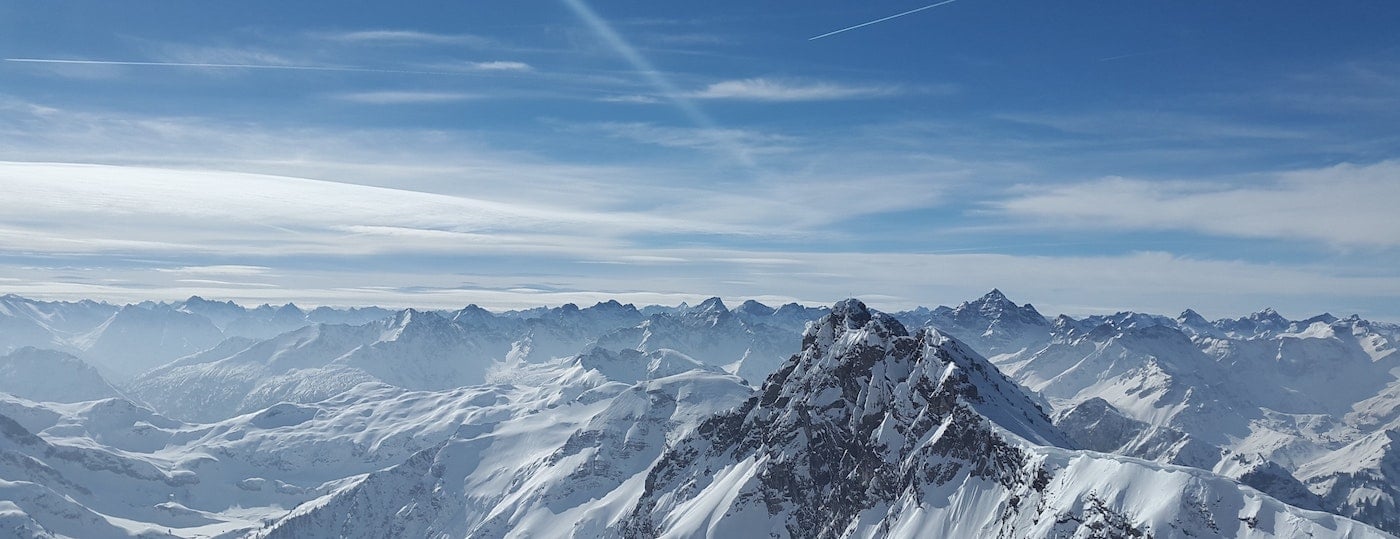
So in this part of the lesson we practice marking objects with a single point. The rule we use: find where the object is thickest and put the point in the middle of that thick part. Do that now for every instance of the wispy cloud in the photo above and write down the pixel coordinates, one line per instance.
(404, 97)
(218, 270)
(634, 98)
(500, 65)
(385, 36)
(711, 139)
(209, 65)
(1344, 205)
(88, 208)
(763, 89)
(605, 31)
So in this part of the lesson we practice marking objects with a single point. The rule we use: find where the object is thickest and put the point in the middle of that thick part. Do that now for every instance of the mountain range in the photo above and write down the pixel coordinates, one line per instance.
(208, 419)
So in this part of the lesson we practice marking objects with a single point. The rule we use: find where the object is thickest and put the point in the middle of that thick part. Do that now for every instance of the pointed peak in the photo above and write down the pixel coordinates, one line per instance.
(1267, 313)
(714, 304)
(414, 317)
(990, 302)
(473, 308)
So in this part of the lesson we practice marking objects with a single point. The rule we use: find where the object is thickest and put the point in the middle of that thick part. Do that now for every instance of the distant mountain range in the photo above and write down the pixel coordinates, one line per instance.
(204, 419)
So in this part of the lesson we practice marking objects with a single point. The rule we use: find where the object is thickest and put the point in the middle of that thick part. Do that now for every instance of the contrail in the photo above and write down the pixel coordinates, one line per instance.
(623, 48)
(1136, 54)
(895, 16)
(230, 66)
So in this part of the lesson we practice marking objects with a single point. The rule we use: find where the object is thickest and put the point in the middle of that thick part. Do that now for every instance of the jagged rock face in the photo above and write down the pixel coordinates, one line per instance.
(860, 419)
(872, 431)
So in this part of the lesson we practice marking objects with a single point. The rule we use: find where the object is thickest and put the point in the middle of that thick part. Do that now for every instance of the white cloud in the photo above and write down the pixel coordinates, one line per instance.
(1150, 281)
(221, 269)
(63, 209)
(762, 89)
(406, 37)
(501, 65)
(1345, 205)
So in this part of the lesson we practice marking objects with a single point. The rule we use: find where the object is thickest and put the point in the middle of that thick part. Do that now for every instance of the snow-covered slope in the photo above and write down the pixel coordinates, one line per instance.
(48, 375)
(1256, 398)
(47, 324)
(139, 337)
(871, 431)
(413, 350)
(613, 420)
(573, 467)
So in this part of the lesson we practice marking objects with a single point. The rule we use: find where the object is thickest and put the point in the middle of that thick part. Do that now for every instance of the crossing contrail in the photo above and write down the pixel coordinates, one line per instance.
(229, 66)
(895, 16)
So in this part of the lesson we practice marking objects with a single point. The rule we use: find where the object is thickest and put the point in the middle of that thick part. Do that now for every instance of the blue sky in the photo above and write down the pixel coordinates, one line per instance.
(1084, 156)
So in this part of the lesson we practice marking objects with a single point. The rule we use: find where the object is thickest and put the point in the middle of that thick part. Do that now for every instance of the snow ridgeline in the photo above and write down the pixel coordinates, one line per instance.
(575, 442)
(869, 431)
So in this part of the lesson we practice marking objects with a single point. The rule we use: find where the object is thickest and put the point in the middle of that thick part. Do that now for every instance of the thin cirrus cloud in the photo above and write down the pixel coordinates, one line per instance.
(764, 89)
(1346, 205)
(404, 97)
(64, 208)
(500, 65)
(385, 36)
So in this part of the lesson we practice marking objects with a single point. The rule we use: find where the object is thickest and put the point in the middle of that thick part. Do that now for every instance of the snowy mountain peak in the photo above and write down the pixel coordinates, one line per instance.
(1064, 322)
(849, 315)
(614, 308)
(472, 314)
(713, 305)
(754, 308)
(1190, 316)
(868, 358)
(995, 305)
(711, 312)
(1325, 318)
(992, 323)
(290, 309)
(412, 323)
(1268, 314)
